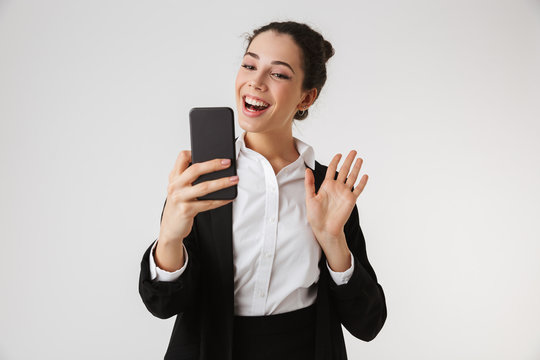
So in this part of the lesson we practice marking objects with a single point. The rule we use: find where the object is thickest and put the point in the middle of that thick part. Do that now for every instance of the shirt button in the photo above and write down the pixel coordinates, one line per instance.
(261, 293)
(268, 255)
(271, 219)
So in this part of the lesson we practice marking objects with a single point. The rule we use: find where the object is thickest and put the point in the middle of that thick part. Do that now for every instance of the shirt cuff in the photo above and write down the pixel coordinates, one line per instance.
(341, 278)
(163, 275)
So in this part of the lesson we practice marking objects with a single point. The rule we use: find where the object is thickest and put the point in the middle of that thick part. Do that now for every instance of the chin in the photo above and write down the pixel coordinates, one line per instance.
(247, 124)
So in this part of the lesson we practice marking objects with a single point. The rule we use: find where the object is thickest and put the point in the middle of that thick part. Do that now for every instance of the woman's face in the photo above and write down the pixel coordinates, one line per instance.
(269, 84)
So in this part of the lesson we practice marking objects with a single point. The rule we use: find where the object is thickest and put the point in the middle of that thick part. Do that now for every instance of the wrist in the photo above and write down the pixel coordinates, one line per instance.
(169, 256)
(338, 254)
(332, 242)
(167, 240)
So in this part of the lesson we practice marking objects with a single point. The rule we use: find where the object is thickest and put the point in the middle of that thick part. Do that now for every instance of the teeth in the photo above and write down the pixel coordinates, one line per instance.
(254, 102)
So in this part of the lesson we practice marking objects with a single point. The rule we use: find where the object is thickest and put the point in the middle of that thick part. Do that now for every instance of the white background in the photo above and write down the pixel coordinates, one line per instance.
(440, 98)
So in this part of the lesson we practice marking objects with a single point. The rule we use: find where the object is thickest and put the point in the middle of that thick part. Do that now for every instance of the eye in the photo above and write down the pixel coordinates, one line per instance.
(280, 76)
(248, 67)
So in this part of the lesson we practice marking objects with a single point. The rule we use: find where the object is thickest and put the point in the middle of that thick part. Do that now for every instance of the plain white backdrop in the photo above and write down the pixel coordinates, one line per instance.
(440, 98)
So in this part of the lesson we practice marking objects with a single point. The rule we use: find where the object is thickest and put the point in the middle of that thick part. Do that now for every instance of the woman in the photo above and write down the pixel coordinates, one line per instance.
(276, 271)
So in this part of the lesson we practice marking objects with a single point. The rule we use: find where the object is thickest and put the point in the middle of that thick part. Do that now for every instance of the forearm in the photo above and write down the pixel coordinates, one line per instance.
(337, 252)
(361, 304)
(168, 298)
(169, 253)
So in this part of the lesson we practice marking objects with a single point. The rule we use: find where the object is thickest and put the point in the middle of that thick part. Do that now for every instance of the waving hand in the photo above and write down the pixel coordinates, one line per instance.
(330, 208)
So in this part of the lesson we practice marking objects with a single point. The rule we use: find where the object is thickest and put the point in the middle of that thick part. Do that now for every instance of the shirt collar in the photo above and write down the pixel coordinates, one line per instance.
(304, 149)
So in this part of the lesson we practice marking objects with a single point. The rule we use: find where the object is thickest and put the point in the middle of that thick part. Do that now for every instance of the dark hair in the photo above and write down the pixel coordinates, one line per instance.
(315, 53)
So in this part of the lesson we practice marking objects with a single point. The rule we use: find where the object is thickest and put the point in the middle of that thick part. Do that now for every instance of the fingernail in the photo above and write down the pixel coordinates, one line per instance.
(233, 178)
(225, 161)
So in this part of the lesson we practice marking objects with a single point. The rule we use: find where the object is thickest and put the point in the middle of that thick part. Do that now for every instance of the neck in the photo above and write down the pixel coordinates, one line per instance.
(278, 149)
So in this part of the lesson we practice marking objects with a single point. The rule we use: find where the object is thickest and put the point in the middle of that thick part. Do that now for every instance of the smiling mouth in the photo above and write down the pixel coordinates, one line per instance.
(254, 105)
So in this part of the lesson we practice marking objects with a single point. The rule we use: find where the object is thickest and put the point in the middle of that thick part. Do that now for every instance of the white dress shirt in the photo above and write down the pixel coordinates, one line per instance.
(275, 252)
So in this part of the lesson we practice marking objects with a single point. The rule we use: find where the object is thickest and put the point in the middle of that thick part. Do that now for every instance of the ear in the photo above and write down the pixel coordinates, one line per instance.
(309, 98)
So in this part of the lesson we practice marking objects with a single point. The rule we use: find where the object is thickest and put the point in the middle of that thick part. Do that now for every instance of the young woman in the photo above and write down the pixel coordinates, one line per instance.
(274, 273)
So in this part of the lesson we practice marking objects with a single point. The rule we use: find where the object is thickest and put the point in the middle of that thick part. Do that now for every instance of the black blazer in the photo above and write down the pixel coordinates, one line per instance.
(203, 297)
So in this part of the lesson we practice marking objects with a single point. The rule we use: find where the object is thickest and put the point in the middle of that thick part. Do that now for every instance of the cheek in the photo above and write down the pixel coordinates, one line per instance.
(240, 79)
(236, 87)
(286, 93)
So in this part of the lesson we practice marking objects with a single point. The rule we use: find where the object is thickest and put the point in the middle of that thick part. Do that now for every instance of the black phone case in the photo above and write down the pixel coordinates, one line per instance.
(212, 136)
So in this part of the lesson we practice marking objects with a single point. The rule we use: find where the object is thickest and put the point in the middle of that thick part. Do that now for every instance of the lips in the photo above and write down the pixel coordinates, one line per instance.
(255, 102)
(254, 106)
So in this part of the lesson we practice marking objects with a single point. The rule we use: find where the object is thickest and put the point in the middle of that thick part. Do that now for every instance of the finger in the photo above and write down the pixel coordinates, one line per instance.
(331, 170)
(354, 173)
(182, 162)
(344, 170)
(194, 171)
(203, 205)
(309, 183)
(210, 186)
(361, 185)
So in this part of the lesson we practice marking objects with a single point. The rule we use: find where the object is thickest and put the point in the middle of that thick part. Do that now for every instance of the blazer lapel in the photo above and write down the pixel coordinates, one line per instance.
(323, 330)
(222, 256)
(319, 175)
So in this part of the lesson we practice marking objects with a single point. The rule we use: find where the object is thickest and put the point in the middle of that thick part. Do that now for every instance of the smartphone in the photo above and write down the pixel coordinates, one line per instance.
(212, 136)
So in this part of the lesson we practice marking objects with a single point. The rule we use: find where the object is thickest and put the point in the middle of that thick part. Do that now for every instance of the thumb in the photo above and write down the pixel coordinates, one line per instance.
(309, 183)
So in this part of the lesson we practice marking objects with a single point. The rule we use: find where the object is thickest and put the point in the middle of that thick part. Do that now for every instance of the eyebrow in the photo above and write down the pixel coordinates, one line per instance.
(275, 62)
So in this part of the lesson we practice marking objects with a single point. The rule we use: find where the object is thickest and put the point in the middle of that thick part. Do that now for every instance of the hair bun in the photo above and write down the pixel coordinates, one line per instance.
(328, 50)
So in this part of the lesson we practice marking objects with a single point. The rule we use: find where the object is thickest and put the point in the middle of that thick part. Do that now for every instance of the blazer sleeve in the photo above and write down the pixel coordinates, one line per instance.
(360, 303)
(165, 299)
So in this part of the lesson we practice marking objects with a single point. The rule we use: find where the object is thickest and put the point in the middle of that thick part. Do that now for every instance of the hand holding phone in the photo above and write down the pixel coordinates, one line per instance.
(182, 206)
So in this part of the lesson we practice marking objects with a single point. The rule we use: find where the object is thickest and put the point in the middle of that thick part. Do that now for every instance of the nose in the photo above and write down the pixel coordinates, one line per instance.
(257, 82)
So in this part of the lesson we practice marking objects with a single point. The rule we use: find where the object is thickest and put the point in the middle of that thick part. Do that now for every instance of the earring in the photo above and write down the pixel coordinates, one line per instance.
(301, 112)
